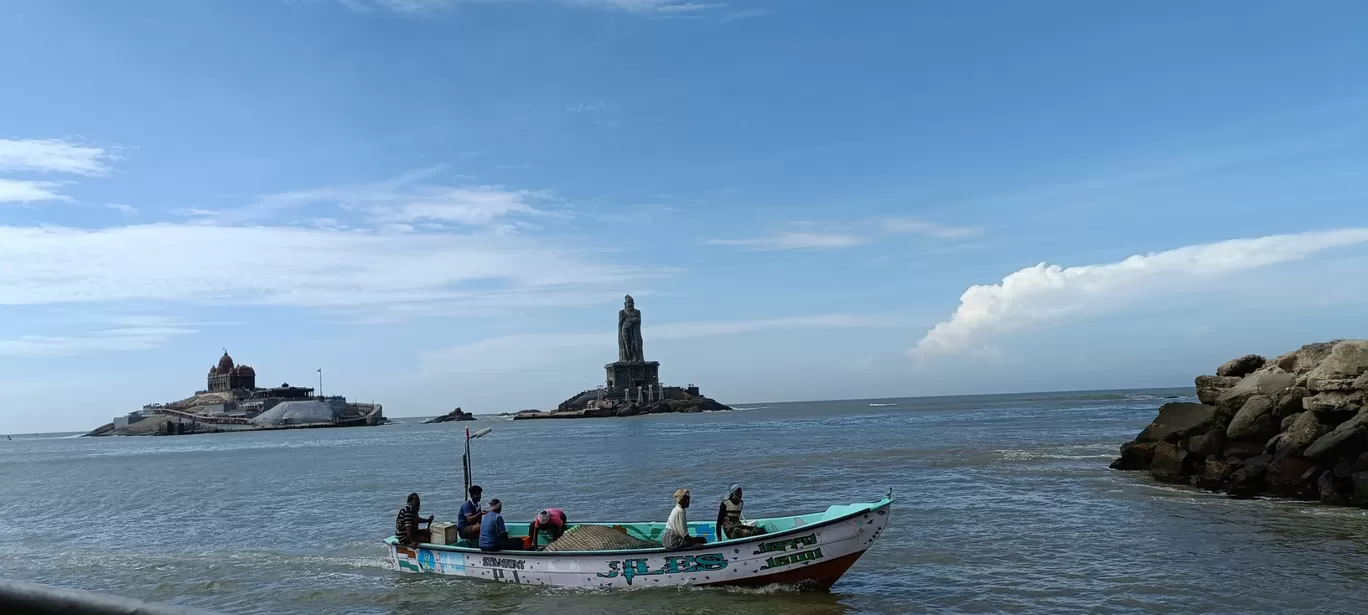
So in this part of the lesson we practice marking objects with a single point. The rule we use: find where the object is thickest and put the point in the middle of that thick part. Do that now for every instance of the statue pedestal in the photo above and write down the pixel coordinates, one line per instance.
(632, 374)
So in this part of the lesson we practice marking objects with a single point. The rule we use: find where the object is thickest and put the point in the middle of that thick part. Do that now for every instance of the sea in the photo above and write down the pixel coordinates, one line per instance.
(1004, 504)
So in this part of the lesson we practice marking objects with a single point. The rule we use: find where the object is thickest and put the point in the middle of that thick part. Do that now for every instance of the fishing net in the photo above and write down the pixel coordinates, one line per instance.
(598, 538)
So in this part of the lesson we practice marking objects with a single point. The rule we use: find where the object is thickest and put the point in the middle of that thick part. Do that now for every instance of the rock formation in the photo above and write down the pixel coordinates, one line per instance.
(1295, 426)
(454, 415)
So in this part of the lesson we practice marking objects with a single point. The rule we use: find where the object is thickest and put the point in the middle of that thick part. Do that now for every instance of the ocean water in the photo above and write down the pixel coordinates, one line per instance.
(1004, 505)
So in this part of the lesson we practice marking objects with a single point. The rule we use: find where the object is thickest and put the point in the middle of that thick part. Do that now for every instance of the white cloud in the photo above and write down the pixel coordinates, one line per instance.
(520, 351)
(401, 200)
(846, 235)
(929, 229)
(285, 266)
(1044, 293)
(53, 155)
(24, 191)
(120, 338)
(794, 241)
(127, 210)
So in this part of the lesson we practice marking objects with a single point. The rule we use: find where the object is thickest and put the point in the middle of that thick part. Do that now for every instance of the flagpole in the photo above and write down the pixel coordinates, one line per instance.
(320, 383)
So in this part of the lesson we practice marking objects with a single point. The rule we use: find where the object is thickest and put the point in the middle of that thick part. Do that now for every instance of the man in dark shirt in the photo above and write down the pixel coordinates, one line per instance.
(406, 523)
(468, 521)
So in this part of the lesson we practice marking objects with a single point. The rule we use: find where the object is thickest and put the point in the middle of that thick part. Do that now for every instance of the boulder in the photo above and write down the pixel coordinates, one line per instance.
(661, 408)
(1290, 402)
(1358, 495)
(1304, 359)
(1361, 465)
(1347, 359)
(709, 404)
(1287, 422)
(1254, 419)
(1241, 367)
(1334, 401)
(454, 415)
(1337, 436)
(629, 410)
(1361, 383)
(1333, 490)
(1210, 388)
(1178, 420)
(1304, 430)
(1248, 480)
(1214, 474)
(1242, 449)
(1169, 464)
(1268, 383)
(1134, 456)
(1290, 476)
(1206, 445)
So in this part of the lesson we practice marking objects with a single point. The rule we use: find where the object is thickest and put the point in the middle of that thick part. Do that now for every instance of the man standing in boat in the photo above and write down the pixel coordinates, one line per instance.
(676, 534)
(730, 522)
(468, 520)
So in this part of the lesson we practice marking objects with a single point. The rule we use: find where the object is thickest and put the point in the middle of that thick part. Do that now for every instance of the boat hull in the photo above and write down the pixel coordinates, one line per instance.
(814, 555)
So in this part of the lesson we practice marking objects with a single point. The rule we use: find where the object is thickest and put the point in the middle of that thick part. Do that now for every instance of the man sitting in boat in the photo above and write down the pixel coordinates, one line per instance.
(730, 522)
(406, 523)
(468, 520)
(551, 521)
(676, 534)
(493, 534)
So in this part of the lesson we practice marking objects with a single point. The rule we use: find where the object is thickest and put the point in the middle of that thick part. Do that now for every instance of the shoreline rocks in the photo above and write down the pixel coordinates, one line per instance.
(1294, 426)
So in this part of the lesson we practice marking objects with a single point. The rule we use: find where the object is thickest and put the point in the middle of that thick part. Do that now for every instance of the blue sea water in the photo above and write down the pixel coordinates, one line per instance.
(1004, 505)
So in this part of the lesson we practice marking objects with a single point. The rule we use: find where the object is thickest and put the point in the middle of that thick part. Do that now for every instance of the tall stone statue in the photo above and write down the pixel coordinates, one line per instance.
(629, 332)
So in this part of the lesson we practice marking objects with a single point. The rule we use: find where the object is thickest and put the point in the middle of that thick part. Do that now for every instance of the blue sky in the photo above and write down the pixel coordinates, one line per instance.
(442, 202)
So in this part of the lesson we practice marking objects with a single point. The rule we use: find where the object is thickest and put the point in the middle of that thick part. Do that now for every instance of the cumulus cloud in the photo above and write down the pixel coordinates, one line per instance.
(1044, 293)
(53, 155)
(285, 266)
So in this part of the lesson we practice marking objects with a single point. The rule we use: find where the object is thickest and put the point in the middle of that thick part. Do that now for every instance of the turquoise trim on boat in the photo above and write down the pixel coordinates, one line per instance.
(652, 531)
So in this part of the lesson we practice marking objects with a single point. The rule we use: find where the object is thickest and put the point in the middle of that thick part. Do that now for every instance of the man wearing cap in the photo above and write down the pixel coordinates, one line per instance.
(468, 521)
(676, 534)
(493, 534)
(551, 521)
(730, 522)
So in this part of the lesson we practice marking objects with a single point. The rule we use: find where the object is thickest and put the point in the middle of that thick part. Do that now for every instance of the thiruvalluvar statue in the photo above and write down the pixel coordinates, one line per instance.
(629, 332)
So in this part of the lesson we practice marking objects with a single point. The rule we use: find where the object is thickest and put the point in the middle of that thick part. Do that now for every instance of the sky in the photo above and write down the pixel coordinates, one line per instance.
(442, 203)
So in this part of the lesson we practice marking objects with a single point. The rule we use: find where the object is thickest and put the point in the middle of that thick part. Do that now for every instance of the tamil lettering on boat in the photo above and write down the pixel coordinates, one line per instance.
(792, 558)
(784, 545)
(674, 564)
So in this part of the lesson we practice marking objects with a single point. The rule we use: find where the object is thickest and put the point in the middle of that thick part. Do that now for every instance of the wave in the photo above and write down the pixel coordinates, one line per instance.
(755, 408)
(881, 405)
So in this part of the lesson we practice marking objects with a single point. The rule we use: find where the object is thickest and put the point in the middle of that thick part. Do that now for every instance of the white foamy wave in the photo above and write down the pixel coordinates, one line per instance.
(881, 405)
(1019, 455)
(754, 408)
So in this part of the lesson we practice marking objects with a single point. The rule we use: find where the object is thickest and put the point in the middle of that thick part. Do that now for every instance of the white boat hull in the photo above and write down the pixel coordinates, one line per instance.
(816, 554)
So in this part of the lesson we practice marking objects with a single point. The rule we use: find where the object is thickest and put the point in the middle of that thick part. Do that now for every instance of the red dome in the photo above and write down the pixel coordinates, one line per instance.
(246, 370)
(225, 364)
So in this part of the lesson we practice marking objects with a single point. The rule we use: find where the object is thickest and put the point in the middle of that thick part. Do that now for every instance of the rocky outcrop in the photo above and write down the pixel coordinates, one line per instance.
(587, 405)
(1294, 426)
(454, 415)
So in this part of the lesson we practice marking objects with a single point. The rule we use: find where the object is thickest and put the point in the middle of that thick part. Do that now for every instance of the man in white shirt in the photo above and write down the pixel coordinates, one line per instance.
(676, 534)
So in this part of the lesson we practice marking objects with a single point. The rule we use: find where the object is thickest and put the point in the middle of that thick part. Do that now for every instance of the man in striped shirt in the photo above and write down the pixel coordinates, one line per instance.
(406, 523)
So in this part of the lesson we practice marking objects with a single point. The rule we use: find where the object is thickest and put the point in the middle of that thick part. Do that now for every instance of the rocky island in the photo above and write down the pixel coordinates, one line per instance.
(633, 384)
(1294, 426)
(232, 401)
(454, 415)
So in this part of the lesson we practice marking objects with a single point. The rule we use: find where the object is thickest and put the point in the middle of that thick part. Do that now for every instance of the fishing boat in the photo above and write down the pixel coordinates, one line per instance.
(810, 551)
